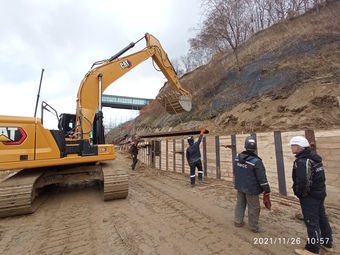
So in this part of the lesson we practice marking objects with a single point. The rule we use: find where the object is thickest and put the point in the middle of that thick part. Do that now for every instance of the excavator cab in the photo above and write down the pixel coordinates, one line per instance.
(67, 123)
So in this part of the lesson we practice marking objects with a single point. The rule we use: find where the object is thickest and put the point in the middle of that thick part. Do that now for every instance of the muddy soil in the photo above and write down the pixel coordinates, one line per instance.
(161, 215)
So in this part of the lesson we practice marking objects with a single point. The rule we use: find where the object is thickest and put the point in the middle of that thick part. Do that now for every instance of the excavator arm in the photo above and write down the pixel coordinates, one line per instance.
(172, 96)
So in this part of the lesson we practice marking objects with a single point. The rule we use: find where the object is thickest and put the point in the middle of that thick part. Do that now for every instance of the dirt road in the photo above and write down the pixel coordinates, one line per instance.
(161, 215)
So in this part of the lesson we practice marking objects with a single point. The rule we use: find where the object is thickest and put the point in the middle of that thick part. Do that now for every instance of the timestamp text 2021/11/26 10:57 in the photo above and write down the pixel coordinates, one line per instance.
(276, 240)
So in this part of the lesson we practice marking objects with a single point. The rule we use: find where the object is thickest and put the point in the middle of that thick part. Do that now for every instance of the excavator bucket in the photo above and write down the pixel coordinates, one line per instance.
(174, 99)
(174, 102)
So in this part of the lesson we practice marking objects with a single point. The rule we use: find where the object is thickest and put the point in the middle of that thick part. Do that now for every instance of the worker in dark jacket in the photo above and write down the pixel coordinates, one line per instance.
(193, 155)
(250, 182)
(134, 154)
(309, 186)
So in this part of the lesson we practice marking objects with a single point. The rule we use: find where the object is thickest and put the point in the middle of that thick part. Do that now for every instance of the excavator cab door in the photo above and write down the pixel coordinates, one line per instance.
(67, 123)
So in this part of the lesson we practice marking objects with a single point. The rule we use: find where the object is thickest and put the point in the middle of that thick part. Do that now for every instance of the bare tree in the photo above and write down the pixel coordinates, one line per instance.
(186, 62)
(258, 14)
(228, 23)
(226, 26)
(176, 64)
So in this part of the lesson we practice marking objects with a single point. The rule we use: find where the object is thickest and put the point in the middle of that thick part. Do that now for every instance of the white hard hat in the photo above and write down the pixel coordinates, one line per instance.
(299, 140)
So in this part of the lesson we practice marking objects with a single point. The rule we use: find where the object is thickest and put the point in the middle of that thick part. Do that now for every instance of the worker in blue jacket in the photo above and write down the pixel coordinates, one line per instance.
(193, 155)
(250, 182)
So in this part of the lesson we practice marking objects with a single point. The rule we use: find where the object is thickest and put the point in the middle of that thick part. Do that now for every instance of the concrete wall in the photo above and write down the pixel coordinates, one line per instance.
(273, 147)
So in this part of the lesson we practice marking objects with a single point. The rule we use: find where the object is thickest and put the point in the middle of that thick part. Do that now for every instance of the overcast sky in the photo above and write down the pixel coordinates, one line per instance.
(65, 37)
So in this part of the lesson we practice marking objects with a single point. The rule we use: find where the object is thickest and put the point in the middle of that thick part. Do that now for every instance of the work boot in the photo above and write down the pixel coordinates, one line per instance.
(326, 248)
(238, 224)
(304, 252)
(192, 185)
(258, 230)
(199, 181)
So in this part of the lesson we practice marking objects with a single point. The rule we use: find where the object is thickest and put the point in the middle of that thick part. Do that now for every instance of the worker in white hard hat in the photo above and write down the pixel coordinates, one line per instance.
(310, 187)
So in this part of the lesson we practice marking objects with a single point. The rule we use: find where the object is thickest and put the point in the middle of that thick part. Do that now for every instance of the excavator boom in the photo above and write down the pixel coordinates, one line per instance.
(173, 96)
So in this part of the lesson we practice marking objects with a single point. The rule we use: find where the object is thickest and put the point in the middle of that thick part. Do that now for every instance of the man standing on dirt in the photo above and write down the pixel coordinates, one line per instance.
(134, 154)
(193, 155)
(310, 187)
(250, 182)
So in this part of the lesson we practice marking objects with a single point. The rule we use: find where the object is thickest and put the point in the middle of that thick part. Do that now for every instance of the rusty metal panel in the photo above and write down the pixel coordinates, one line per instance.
(205, 165)
(218, 159)
(174, 155)
(183, 156)
(309, 134)
(177, 133)
(167, 155)
(280, 163)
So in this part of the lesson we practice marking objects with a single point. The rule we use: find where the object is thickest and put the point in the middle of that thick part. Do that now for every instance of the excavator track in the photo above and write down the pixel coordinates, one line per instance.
(18, 195)
(116, 182)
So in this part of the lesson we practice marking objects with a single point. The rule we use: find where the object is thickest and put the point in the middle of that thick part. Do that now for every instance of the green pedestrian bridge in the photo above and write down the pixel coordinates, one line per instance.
(121, 102)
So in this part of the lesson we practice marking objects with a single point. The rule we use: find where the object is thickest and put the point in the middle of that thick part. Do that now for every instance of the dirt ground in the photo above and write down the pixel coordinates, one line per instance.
(161, 215)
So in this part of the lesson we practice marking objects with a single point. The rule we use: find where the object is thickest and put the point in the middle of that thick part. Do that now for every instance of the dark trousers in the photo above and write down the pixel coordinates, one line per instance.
(318, 229)
(193, 166)
(134, 162)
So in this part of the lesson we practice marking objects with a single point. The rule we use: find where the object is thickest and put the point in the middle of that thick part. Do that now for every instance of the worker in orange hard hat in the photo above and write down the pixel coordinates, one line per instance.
(134, 154)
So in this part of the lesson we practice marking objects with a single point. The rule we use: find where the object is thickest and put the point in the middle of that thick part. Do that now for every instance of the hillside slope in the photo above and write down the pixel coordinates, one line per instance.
(289, 80)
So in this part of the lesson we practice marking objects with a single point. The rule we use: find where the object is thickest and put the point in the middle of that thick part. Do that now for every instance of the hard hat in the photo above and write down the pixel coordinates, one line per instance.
(190, 139)
(299, 140)
(133, 143)
(250, 144)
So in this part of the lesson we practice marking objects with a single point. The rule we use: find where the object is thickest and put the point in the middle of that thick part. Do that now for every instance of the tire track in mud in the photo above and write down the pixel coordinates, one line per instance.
(177, 224)
(67, 233)
(67, 227)
(283, 233)
(85, 231)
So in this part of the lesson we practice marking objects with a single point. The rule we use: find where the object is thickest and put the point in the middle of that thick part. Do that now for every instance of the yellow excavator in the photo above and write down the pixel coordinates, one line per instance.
(76, 151)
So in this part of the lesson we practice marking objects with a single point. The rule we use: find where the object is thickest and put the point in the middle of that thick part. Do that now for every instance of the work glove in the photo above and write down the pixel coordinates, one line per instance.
(266, 200)
(202, 131)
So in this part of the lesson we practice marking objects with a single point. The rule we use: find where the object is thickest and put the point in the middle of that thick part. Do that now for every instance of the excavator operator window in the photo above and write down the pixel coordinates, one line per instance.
(67, 122)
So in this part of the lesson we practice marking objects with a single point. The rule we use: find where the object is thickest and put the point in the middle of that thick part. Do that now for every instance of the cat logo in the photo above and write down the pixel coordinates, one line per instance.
(12, 135)
(125, 64)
